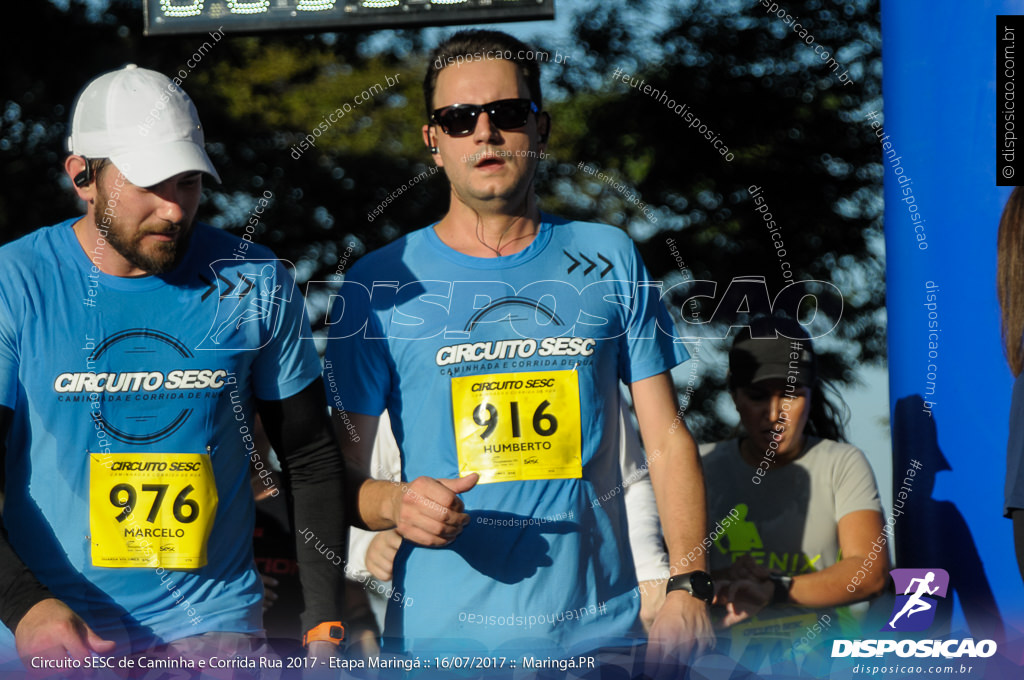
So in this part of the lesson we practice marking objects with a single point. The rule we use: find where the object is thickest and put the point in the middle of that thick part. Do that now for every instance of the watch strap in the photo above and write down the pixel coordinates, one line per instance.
(328, 631)
(685, 582)
(783, 584)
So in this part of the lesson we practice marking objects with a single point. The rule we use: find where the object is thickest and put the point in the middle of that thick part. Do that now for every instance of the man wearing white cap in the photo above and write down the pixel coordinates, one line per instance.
(136, 348)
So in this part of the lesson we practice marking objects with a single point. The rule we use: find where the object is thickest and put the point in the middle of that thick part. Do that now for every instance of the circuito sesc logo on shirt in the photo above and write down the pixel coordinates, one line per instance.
(142, 385)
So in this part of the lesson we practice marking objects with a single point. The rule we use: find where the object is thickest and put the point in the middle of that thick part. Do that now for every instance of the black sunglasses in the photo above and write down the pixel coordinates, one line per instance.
(460, 119)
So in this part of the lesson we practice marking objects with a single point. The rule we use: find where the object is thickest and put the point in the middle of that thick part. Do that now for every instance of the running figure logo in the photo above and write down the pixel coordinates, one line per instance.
(914, 610)
(251, 295)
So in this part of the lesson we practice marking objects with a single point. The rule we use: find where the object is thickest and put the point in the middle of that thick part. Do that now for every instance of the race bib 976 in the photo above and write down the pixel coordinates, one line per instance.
(518, 426)
(151, 509)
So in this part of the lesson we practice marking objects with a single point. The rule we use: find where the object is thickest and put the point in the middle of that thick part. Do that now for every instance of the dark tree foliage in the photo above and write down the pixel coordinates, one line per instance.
(795, 131)
(257, 96)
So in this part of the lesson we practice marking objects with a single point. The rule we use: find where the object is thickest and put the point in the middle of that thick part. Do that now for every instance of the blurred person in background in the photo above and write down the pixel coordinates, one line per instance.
(274, 552)
(1010, 287)
(807, 539)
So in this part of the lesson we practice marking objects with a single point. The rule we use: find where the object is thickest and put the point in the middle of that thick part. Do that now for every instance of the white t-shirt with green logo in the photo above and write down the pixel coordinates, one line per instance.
(789, 522)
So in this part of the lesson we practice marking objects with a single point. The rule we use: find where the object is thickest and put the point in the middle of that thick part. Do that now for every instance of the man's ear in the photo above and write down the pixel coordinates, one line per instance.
(84, 182)
(430, 139)
(543, 126)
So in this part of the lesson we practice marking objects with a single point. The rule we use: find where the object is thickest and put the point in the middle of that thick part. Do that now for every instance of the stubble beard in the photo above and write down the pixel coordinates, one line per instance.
(162, 256)
(515, 197)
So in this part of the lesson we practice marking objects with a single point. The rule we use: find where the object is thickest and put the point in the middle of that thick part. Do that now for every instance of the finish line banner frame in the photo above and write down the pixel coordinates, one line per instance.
(182, 17)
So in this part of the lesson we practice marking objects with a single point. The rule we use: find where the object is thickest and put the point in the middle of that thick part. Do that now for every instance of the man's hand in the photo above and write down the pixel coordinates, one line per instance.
(429, 512)
(269, 595)
(652, 597)
(744, 598)
(681, 632)
(321, 650)
(51, 630)
(362, 636)
(380, 554)
(362, 644)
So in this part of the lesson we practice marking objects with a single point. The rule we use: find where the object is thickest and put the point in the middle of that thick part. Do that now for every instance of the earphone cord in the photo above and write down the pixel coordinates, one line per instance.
(479, 225)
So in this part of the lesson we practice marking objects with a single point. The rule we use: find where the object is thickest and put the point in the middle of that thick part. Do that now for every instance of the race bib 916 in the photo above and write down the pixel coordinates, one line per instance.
(518, 426)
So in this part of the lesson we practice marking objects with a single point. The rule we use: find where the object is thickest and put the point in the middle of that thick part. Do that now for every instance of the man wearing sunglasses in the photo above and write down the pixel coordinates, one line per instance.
(498, 355)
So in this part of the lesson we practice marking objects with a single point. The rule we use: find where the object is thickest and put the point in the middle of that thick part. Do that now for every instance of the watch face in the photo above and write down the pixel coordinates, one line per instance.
(697, 583)
(702, 585)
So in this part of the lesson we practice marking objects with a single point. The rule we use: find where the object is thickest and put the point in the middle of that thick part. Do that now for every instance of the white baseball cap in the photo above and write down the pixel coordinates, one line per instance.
(141, 121)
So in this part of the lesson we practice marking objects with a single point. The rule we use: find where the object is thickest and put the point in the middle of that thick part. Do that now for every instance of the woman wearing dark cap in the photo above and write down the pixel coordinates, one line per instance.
(807, 529)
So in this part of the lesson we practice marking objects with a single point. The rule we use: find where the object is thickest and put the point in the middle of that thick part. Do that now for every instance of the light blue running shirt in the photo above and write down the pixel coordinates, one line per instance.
(521, 356)
(170, 364)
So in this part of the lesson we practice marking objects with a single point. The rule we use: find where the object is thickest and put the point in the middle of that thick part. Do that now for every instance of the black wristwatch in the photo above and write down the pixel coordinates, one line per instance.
(783, 584)
(697, 583)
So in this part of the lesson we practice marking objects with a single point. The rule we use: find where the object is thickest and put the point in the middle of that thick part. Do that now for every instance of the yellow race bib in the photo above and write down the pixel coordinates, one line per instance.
(151, 509)
(518, 426)
(770, 637)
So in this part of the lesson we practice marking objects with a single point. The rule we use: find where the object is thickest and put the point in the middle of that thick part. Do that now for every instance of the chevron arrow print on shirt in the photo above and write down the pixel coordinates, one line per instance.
(211, 286)
(592, 265)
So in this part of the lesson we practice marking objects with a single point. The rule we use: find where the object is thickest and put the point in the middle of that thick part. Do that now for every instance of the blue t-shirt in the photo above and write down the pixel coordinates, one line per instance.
(98, 364)
(522, 356)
